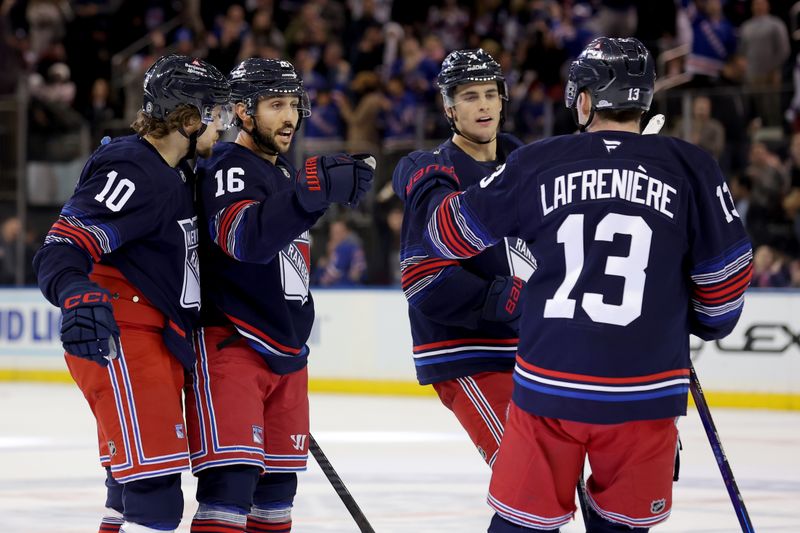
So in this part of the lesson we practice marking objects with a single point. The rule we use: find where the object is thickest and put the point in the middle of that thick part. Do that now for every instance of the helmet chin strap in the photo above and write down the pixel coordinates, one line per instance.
(262, 142)
(192, 151)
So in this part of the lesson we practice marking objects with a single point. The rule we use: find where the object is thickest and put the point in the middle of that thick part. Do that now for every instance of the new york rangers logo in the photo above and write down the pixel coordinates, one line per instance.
(521, 262)
(112, 448)
(258, 434)
(299, 441)
(295, 260)
(190, 295)
(179, 432)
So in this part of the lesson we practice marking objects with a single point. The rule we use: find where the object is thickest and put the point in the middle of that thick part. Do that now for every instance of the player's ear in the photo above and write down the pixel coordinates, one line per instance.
(241, 112)
(585, 103)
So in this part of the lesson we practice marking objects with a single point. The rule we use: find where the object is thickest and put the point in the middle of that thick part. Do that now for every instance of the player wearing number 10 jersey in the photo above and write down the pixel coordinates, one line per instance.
(638, 245)
(122, 263)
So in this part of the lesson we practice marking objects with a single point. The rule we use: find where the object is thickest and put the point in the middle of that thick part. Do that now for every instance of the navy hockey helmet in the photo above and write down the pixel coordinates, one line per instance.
(256, 78)
(469, 66)
(461, 67)
(618, 74)
(176, 80)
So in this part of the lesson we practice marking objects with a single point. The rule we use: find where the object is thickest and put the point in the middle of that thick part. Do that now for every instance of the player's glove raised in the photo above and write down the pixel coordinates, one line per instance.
(504, 300)
(338, 178)
(88, 328)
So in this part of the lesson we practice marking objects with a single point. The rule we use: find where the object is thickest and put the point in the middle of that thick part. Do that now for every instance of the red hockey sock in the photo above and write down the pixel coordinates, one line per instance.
(259, 525)
(109, 527)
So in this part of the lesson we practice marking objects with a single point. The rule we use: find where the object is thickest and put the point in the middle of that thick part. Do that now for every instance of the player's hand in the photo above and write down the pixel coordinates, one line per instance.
(88, 328)
(504, 300)
(338, 178)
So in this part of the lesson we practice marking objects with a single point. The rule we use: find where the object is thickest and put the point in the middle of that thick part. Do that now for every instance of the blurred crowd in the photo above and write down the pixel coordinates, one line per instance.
(370, 67)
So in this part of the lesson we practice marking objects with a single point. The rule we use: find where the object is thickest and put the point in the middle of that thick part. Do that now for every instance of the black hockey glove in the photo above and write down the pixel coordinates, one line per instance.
(88, 328)
(338, 178)
(504, 301)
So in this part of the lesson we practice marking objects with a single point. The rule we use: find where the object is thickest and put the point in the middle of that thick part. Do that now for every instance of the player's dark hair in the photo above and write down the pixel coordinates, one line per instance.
(157, 128)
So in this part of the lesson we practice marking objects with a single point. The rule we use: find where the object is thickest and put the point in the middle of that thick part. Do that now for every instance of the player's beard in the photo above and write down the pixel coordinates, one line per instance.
(265, 140)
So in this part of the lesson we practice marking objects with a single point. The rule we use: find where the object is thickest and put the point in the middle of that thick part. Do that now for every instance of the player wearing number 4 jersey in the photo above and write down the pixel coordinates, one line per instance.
(464, 314)
(122, 263)
(247, 411)
(638, 245)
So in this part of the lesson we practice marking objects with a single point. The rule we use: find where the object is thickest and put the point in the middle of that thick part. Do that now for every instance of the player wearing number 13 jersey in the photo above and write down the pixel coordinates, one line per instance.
(122, 263)
(638, 245)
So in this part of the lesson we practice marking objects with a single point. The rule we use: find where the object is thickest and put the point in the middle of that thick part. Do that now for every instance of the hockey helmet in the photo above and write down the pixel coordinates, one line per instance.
(461, 67)
(617, 73)
(256, 78)
(176, 80)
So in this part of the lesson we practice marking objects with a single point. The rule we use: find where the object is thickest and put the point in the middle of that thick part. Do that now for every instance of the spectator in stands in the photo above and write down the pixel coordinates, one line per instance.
(713, 42)
(225, 41)
(416, 70)
(770, 268)
(263, 33)
(326, 120)
(343, 265)
(531, 115)
(769, 184)
(791, 202)
(100, 110)
(368, 54)
(10, 233)
(450, 22)
(399, 112)
(704, 131)
(46, 26)
(333, 67)
(765, 45)
(363, 121)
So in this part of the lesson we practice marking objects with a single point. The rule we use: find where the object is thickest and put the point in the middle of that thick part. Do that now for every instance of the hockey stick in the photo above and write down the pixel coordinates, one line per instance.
(338, 485)
(719, 453)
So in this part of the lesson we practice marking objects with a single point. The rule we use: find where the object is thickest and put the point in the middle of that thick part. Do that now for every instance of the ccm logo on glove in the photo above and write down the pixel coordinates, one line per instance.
(86, 298)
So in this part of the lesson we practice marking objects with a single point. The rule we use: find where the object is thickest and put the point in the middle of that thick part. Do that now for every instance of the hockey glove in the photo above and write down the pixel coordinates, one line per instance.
(88, 328)
(338, 178)
(504, 301)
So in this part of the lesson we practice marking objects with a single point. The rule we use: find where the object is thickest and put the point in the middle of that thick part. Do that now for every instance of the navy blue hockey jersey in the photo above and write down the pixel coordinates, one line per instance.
(446, 296)
(257, 261)
(132, 211)
(638, 245)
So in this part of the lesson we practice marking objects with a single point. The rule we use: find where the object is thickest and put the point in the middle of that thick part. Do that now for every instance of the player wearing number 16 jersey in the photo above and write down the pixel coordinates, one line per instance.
(247, 411)
(122, 263)
(638, 245)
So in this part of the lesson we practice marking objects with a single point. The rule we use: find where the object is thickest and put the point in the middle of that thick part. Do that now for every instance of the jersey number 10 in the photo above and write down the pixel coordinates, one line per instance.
(630, 267)
(119, 196)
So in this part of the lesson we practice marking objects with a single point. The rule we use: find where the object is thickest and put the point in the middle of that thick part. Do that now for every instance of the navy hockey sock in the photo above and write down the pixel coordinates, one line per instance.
(218, 519)
(501, 525)
(598, 524)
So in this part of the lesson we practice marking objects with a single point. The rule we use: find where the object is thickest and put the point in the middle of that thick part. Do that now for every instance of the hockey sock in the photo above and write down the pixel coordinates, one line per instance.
(269, 520)
(112, 520)
(598, 524)
(218, 519)
(130, 527)
(501, 525)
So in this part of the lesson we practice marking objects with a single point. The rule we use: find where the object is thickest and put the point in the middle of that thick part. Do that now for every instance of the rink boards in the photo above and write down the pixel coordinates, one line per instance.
(361, 344)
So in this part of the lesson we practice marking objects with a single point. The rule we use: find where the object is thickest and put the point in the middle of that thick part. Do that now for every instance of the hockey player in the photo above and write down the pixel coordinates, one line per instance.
(248, 410)
(463, 313)
(638, 245)
(122, 263)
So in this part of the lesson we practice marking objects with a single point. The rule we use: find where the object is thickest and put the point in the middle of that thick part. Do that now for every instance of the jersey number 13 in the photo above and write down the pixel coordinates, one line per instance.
(631, 267)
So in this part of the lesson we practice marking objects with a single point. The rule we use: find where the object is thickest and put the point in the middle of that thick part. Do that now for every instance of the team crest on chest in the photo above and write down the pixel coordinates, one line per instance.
(190, 295)
(295, 260)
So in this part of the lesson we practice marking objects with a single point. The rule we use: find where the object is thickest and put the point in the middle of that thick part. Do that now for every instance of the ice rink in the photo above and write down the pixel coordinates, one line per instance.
(406, 461)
